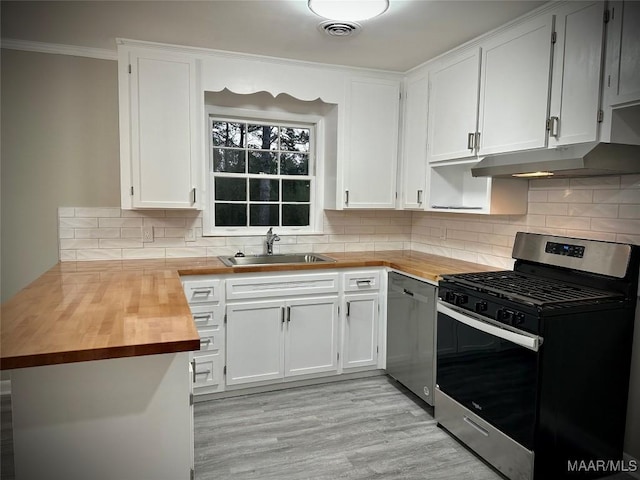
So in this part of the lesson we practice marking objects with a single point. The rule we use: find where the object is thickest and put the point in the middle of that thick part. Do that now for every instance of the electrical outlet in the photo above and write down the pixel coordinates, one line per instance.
(147, 234)
(190, 235)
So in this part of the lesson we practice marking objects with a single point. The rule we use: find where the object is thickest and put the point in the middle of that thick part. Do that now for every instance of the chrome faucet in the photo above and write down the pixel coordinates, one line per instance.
(271, 237)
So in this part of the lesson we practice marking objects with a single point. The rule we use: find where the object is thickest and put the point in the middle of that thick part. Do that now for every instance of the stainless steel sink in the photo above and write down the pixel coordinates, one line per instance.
(275, 259)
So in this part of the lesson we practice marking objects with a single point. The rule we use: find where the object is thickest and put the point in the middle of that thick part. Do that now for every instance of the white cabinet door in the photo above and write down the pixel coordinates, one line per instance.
(255, 350)
(360, 347)
(414, 141)
(453, 107)
(514, 88)
(575, 91)
(371, 143)
(160, 164)
(311, 336)
(623, 79)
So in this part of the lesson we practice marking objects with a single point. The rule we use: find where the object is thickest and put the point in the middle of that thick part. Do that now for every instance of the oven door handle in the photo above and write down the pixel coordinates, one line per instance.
(527, 341)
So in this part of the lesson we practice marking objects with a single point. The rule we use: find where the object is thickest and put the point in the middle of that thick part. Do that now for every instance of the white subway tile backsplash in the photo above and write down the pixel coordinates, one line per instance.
(120, 222)
(98, 212)
(601, 208)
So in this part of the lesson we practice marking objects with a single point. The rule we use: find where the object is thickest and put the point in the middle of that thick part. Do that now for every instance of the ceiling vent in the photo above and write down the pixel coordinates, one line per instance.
(336, 28)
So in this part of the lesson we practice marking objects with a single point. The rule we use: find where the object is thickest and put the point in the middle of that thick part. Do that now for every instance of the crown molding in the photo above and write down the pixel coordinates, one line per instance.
(60, 49)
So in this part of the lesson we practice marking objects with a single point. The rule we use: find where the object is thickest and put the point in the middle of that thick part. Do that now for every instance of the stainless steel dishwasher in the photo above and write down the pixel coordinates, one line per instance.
(411, 314)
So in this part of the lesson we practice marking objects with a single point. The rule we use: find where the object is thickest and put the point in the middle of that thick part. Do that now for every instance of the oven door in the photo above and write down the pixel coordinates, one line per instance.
(490, 369)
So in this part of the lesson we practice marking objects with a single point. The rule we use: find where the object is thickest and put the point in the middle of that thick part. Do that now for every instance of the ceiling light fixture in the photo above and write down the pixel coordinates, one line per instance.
(348, 10)
(532, 174)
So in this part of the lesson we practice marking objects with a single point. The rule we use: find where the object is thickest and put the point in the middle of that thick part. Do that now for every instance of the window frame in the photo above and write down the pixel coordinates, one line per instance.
(279, 118)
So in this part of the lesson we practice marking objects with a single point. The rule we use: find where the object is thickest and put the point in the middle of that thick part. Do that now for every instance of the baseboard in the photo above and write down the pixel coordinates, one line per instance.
(5, 387)
(628, 459)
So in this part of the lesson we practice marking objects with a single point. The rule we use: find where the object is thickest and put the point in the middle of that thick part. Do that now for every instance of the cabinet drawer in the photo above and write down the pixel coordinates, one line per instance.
(207, 370)
(211, 340)
(202, 291)
(207, 316)
(361, 281)
(272, 286)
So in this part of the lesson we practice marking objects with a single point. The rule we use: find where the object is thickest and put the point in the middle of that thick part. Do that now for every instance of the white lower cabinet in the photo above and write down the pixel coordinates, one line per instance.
(273, 328)
(360, 346)
(255, 344)
(274, 339)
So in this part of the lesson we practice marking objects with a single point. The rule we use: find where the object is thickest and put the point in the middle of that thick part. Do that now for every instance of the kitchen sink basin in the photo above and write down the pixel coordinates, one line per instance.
(275, 259)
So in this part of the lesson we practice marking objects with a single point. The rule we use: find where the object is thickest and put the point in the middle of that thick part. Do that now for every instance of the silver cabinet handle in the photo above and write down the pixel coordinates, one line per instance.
(202, 317)
(419, 196)
(194, 194)
(193, 370)
(407, 292)
(204, 372)
(471, 141)
(203, 291)
(288, 314)
(348, 308)
(553, 126)
(206, 341)
(346, 197)
(282, 314)
(476, 143)
(363, 282)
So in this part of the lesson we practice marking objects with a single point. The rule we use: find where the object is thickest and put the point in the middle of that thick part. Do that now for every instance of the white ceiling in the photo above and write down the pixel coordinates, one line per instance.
(409, 33)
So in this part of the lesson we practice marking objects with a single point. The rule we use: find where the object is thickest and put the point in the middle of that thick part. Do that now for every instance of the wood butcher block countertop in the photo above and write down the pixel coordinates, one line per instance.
(80, 311)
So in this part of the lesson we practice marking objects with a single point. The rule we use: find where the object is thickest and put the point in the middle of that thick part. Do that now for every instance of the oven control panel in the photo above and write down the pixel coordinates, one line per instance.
(489, 307)
(564, 249)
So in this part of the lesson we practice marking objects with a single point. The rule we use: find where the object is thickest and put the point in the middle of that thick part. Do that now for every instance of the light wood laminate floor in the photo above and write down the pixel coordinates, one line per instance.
(357, 429)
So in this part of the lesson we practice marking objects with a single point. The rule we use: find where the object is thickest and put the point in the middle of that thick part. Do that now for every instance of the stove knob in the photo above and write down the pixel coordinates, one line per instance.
(518, 318)
(504, 315)
(461, 299)
(481, 307)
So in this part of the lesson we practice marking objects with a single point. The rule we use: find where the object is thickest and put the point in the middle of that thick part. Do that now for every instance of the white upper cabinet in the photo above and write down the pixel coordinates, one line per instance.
(371, 142)
(514, 88)
(575, 91)
(453, 106)
(414, 141)
(623, 76)
(160, 145)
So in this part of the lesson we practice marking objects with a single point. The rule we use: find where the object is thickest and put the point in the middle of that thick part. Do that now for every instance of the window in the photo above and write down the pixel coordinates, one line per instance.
(261, 174)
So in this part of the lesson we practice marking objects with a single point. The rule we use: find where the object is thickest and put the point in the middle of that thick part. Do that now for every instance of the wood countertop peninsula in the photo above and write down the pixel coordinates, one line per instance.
(81, 311)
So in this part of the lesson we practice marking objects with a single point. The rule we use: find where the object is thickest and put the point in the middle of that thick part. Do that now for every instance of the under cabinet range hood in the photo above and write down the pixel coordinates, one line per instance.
(579, 160)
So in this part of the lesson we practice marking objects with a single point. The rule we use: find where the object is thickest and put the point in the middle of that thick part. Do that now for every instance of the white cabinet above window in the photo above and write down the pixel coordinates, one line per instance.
(160, 129)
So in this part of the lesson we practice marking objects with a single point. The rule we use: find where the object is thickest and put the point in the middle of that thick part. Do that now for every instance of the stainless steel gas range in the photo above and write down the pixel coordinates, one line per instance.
(533, 364)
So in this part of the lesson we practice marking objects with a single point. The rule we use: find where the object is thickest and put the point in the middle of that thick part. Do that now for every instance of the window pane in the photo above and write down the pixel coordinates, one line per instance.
(230, 189)
(228, 160)
(263, 162)
(231, 215)
(263, 137)
(294, 164)
(264, 190)
(296, 190)
(294, 139)
(264, 215)
(226, 134)
(295, 215)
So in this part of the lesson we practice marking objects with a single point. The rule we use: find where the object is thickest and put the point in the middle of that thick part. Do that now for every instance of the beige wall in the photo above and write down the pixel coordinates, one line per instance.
(59, 147)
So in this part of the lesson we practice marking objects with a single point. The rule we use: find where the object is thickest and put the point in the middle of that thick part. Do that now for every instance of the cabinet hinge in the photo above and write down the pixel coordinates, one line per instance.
(131, 190)
(606, 16)
(377, 349)
(338, 356)
(192, 474)
(600, 116)
(396, 195)
(224, 370)
(554, 36)
(191, 399)
(129, 68)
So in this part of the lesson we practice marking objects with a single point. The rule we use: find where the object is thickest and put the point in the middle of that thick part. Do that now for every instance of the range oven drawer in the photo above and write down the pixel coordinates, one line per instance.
(508, 456)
